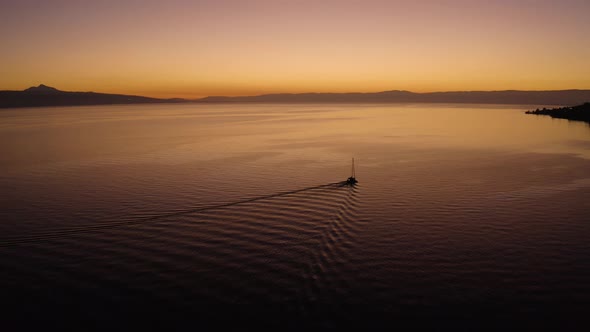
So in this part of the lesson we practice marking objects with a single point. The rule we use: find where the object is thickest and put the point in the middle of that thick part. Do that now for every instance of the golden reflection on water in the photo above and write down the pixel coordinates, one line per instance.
(182, 133)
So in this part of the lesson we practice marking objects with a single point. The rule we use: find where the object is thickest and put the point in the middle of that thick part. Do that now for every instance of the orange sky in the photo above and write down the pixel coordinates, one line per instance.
(200, 48)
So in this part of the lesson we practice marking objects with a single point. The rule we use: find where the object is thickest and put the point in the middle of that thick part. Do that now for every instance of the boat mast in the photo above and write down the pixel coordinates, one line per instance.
(353, 175)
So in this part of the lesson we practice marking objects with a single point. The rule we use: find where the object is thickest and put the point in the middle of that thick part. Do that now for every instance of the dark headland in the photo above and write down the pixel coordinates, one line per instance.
(574, 113)
(43, 95)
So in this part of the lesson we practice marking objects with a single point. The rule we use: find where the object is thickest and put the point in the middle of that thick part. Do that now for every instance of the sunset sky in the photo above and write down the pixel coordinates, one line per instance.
(198, 48)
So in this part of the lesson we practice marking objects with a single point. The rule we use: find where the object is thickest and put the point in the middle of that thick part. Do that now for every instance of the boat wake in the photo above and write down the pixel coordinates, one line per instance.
(143, 219)
(290, 247)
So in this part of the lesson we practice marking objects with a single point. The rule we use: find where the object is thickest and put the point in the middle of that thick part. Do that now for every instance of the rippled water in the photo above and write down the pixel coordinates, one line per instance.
(172, 215)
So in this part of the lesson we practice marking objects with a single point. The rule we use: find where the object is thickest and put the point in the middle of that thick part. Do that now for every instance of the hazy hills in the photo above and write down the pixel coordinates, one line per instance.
(43, 95)
(556, 97)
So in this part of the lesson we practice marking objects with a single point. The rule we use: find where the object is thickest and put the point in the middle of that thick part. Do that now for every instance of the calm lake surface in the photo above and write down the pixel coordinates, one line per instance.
(177, 214)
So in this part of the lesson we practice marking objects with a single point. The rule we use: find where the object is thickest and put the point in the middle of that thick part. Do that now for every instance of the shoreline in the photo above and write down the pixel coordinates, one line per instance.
(572, 113)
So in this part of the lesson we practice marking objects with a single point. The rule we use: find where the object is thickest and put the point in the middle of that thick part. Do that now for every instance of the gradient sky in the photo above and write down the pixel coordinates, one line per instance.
(197, 48)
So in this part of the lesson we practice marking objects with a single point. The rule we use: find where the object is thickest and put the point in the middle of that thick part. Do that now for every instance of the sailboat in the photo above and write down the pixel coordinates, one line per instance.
(351, 181)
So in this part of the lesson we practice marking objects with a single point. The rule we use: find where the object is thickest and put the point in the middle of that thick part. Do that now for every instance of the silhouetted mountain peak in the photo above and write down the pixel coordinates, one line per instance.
(42, 88)
(43, 95)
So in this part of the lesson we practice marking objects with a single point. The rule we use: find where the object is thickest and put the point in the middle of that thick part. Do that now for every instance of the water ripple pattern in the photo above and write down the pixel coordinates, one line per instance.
(279, 248)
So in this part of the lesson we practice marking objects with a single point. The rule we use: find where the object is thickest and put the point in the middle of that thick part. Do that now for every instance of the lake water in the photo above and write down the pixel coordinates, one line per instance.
(178, 214)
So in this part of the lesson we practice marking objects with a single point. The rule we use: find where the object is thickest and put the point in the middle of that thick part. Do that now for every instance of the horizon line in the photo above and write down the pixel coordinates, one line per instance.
(300, 93)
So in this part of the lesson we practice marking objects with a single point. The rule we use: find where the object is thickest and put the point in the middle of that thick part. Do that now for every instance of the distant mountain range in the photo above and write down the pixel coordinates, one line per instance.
(43, 95)
(556, 97)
